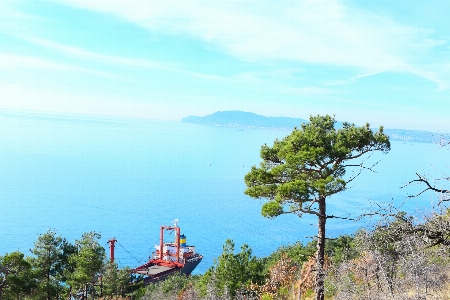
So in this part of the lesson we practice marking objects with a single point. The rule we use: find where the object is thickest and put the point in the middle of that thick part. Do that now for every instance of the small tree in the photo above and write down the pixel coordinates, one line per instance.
(48, 251)
(16, 276)
(299, 172)
(115, 281)
(88, 261)
(232, 272)
(398, 260)
(66, 266)
(176, 286)
(4, 272)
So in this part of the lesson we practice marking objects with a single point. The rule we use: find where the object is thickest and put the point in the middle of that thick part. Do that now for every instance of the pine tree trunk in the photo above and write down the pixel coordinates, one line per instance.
(48, 284)
(320, 255)
(3, 282)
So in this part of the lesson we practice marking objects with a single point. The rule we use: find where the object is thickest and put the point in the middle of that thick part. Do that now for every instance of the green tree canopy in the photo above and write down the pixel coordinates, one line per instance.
(49, 263)
(299, 172)
(233, 271)
(115, 281)
(16, 276)
(88, 261)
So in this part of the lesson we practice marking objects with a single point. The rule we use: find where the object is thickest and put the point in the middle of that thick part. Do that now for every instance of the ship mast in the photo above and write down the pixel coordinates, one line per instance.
(111, 249)
(177, 240)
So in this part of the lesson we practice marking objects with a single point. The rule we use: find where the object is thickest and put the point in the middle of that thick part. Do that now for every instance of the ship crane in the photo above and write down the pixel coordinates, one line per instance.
(169, 257)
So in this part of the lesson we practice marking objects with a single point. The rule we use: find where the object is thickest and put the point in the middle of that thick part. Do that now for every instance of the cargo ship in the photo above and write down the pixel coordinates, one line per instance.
(169, 257)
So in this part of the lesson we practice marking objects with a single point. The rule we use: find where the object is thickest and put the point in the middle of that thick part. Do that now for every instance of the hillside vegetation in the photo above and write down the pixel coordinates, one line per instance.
(400, 257)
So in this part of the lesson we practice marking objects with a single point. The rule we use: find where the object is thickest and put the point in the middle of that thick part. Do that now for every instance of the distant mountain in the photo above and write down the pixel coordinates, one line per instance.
(241, 119)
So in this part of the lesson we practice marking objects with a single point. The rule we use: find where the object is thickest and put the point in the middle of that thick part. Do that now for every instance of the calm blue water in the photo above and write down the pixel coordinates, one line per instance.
(124, 178)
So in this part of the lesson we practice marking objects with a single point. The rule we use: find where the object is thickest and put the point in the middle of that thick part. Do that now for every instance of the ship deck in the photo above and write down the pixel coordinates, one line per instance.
(153, 270)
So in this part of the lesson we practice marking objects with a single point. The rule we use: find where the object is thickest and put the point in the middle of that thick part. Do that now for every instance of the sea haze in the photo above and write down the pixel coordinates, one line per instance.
(125, 177)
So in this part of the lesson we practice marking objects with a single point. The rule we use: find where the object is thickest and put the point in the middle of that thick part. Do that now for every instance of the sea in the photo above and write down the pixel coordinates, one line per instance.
(124, 178)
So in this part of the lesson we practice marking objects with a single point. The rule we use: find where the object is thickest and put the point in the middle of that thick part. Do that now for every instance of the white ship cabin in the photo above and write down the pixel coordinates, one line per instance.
(170, 252)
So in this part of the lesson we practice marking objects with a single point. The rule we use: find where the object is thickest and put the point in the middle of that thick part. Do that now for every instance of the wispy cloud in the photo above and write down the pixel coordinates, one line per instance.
(311, 31)
(265, 80)
(309, 90)
(17, 62)
(442, 81)
(8, 12)
(350, 80)
(84, 54)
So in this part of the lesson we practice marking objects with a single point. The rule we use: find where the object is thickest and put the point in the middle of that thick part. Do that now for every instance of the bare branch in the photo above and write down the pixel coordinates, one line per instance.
(354, 177)
(342, 218)
(422, 179)
(362, 167)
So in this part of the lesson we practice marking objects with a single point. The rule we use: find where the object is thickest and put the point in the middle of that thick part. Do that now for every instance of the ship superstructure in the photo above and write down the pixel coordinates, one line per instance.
(169, 257)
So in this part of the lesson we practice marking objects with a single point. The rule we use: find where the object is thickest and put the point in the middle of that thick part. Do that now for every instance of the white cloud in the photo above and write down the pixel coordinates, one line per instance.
(265, 81)
(328, 32)
(310, 90)
(14, 62)
(430, 75)
(311, 31)
(109, 59)
(84, 54)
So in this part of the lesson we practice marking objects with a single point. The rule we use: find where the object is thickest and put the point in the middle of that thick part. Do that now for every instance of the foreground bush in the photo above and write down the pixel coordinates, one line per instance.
(399, 259)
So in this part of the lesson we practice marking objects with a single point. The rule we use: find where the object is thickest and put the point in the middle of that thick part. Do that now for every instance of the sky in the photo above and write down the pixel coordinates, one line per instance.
(382, 62)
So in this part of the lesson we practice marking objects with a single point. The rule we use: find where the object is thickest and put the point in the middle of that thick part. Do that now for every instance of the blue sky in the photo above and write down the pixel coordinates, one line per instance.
(383, 62)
